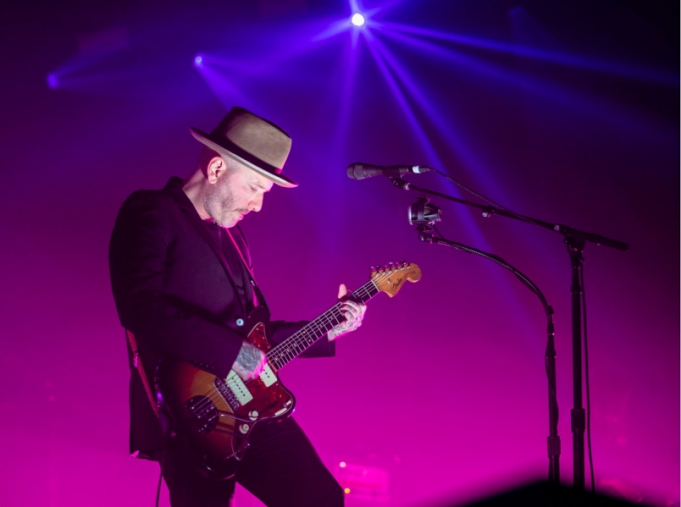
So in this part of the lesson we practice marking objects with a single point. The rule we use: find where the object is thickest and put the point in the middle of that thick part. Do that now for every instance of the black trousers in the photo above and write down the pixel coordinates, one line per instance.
(280, 467)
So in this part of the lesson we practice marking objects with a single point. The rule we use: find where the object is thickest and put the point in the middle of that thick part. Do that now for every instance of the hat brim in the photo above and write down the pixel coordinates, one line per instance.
(278, 179)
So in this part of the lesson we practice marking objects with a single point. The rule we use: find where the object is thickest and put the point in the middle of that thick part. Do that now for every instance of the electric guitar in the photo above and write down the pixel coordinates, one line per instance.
(216, 415)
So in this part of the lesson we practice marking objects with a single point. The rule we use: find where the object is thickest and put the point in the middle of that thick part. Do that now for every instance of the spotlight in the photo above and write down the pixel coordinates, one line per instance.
(357, 19)
(198, 61)
(52, 81)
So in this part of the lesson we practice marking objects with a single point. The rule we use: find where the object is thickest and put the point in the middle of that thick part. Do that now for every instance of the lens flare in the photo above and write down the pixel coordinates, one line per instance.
(52, 81)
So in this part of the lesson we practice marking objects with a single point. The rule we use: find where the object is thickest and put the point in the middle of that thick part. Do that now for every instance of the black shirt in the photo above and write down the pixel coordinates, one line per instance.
(242, 279)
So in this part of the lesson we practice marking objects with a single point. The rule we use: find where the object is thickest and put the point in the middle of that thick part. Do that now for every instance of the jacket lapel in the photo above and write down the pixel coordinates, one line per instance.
(193, 217)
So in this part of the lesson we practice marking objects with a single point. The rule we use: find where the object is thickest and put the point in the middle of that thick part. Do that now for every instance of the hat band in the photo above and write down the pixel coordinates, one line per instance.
(243, 154)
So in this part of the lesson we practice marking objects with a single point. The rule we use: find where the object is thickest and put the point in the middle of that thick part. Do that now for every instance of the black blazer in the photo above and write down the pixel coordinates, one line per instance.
(177, 296)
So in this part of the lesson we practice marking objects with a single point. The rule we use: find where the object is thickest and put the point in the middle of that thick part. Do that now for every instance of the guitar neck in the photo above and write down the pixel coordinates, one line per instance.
(298, 343)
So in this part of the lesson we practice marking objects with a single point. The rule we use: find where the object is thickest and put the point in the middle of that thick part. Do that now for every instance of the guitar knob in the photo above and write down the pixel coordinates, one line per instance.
(244, 428)
(253, 414)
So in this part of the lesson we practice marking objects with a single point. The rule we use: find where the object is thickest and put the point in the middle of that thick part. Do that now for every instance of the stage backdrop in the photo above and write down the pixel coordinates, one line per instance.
(567, 113)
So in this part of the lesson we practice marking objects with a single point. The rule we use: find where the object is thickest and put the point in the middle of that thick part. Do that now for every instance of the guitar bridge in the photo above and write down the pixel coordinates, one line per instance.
(202, 413)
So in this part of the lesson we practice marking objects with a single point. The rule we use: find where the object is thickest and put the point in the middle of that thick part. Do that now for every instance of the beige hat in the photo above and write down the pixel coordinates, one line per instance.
(255, 142)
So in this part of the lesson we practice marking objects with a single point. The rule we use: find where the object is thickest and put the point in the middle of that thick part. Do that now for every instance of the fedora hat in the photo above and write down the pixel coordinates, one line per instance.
(254, 141)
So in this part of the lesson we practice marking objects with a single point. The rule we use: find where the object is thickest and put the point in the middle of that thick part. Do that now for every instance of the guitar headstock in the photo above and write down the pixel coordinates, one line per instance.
(391, 277)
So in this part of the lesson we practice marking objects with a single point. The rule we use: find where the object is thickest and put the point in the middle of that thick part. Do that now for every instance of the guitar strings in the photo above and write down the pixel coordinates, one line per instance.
(300, 339)
(214, 395)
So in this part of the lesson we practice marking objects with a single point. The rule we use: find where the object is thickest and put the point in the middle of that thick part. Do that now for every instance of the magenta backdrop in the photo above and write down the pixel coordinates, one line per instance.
(443, 387)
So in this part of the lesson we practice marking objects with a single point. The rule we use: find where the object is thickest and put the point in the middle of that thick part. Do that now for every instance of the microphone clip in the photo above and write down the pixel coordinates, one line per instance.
(424, 216)
(422, 213)
(400, 183)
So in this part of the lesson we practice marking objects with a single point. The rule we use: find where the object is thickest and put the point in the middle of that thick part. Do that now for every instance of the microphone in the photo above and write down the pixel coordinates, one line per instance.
(359, 171)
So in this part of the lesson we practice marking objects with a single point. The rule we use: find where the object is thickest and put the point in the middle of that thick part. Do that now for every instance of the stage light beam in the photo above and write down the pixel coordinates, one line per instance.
(358, 19)
(198, 61)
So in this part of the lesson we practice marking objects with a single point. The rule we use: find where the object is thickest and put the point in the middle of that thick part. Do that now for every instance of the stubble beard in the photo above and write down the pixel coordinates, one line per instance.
(221, 208)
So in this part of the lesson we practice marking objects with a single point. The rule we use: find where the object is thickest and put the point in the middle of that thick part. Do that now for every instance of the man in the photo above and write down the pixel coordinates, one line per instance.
(182, 283)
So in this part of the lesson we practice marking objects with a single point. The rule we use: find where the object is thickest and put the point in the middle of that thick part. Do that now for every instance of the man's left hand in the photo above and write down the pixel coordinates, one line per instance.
(353, 313)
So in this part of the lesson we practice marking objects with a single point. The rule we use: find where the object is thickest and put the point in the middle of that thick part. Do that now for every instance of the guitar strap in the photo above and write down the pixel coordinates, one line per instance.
(239, 252)
(260, 299)
(137, 361)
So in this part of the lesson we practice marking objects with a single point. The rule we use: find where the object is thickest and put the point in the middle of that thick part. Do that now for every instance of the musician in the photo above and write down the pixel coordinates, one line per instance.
(182, 281)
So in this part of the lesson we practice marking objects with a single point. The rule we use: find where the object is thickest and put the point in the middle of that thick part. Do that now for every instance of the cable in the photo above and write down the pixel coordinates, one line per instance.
(553, 441)
(501, 262)
(498, 260)
(586, 381)
(160, 476)
(490, 201)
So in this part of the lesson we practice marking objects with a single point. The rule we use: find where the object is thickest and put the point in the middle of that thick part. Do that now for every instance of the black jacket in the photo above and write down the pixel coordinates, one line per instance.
(177, 296)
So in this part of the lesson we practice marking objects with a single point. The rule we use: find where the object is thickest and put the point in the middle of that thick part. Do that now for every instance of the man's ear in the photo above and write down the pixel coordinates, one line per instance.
(216, 166)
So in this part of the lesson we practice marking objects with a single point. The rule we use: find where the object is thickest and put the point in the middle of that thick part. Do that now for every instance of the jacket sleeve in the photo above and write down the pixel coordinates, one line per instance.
(164, 323)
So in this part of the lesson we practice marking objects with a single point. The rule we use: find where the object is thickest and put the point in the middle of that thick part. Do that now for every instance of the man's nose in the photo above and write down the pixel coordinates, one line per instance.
(256, 203)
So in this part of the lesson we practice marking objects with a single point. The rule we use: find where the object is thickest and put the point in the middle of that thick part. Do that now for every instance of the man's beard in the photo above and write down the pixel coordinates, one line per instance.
(221, 208)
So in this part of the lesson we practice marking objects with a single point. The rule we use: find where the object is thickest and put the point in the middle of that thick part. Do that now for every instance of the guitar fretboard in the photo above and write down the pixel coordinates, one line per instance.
(298, 343)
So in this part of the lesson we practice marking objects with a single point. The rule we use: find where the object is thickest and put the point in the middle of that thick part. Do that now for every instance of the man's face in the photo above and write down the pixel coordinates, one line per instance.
(237, 191)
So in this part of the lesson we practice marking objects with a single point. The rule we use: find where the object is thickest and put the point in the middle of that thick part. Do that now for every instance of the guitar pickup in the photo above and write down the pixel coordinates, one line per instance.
(233, 390)
(267, 376)
(238, 388)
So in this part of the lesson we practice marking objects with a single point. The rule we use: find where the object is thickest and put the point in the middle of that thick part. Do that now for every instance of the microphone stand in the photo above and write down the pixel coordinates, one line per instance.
(575, 240)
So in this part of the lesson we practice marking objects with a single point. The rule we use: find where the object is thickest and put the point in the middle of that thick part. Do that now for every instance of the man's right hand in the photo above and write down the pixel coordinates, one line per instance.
(250, 362)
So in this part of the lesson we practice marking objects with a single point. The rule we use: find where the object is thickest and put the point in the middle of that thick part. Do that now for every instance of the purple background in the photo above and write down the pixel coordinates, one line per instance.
(567, 113)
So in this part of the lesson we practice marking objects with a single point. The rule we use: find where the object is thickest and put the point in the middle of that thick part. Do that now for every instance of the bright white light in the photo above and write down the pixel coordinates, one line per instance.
(198, 61)
(357, 19)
